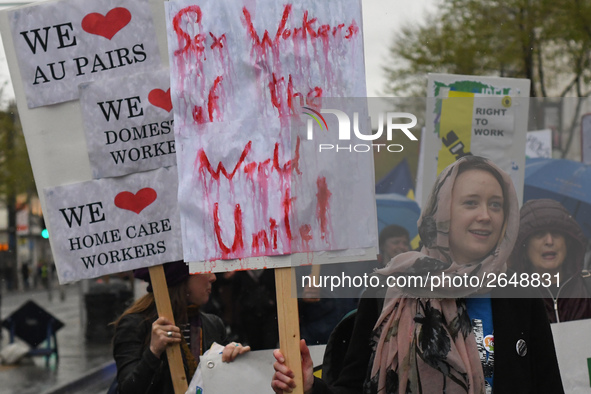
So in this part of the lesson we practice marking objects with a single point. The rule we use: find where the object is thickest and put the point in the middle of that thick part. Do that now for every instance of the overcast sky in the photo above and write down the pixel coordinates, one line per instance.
(381, 18)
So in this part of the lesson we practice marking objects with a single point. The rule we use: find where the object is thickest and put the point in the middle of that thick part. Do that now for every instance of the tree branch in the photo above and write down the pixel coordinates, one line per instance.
(574, 122)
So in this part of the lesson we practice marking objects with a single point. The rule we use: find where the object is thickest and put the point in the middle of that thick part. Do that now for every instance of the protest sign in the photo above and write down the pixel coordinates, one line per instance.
(241, 72)
(234, 60)
(252, 204)
(128, 124)
(62, 44)
(75, 42)
(482, 116)
(115, 224)
(252, 371)
(57, 144)
(572, 341)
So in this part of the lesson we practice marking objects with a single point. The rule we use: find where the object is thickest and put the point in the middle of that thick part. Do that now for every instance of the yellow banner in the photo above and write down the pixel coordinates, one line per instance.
(455, 128)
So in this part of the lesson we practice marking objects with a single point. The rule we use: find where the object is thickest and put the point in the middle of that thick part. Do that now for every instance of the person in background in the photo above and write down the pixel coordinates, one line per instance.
(255, 308)
(141, 336)
(393, 240)
(25, 274)
(431, 340)
(322, 308)
(551, 243)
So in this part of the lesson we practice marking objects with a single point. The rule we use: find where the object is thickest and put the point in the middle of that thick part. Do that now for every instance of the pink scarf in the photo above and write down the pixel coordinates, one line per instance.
(424, 338)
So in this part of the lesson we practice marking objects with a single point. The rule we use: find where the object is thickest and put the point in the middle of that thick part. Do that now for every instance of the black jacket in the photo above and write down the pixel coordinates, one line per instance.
(138, 369)
(514, 319)
(571, 301)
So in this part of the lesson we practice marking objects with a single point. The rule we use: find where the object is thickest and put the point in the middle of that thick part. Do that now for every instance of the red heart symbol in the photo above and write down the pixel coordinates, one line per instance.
(160, 98)
(108, 25)
(135, 202)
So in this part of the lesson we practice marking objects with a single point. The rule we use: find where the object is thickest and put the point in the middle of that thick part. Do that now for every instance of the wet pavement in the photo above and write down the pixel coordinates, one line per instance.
(84, 366)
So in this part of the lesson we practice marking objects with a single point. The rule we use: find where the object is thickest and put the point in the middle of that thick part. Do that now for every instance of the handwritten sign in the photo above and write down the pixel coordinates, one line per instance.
(573, 351)
(245, 59)
(244, 198)
(112, 225)
(251, 183)
(62, 44)
(128, 124)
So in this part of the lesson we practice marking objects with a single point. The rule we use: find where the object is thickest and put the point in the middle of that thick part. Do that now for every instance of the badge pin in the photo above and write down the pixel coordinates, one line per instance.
(506, 101)
(521, 348)
(489, 343)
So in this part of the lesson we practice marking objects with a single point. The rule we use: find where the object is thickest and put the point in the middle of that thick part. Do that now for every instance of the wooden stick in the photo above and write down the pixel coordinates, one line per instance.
(175, 360)
(289, 325)
(315, 273)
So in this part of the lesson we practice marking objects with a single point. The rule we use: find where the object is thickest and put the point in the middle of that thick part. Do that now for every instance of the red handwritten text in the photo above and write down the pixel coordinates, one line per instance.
(307, 28)
(323, 197)
(238, 244)
(213, 106)
(277, 89)
(264, 240)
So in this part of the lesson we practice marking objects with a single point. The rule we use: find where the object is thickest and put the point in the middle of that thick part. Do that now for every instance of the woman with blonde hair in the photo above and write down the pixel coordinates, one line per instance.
(457, 337)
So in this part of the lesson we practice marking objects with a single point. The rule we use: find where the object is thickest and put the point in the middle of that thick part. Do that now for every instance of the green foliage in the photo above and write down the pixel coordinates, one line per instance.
(545, 41)
(16, 176)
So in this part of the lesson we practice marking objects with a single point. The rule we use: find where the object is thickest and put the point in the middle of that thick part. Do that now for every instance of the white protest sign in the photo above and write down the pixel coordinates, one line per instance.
(128, 123)
(572, 341)
(494, 120)
(482, 116)
(539, 144)
(62, 44)
(112, 225)
(246, 197)
(57, 143)
(252, 372)
(249, 185)
(232, 60)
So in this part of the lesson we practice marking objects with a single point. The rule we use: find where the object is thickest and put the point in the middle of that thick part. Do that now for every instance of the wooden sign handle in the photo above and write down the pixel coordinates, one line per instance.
(175, 360)
(289, 325)
(315, 273)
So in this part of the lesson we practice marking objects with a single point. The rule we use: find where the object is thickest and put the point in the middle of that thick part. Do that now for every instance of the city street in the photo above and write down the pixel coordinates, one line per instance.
(83, 367)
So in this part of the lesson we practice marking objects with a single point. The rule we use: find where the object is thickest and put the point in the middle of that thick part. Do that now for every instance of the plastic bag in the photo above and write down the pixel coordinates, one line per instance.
(12, 353)
(196, 385)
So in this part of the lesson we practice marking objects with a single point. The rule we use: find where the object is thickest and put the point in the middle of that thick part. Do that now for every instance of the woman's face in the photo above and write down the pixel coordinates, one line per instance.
(199, 288)
(476, 216)
(546, 250)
